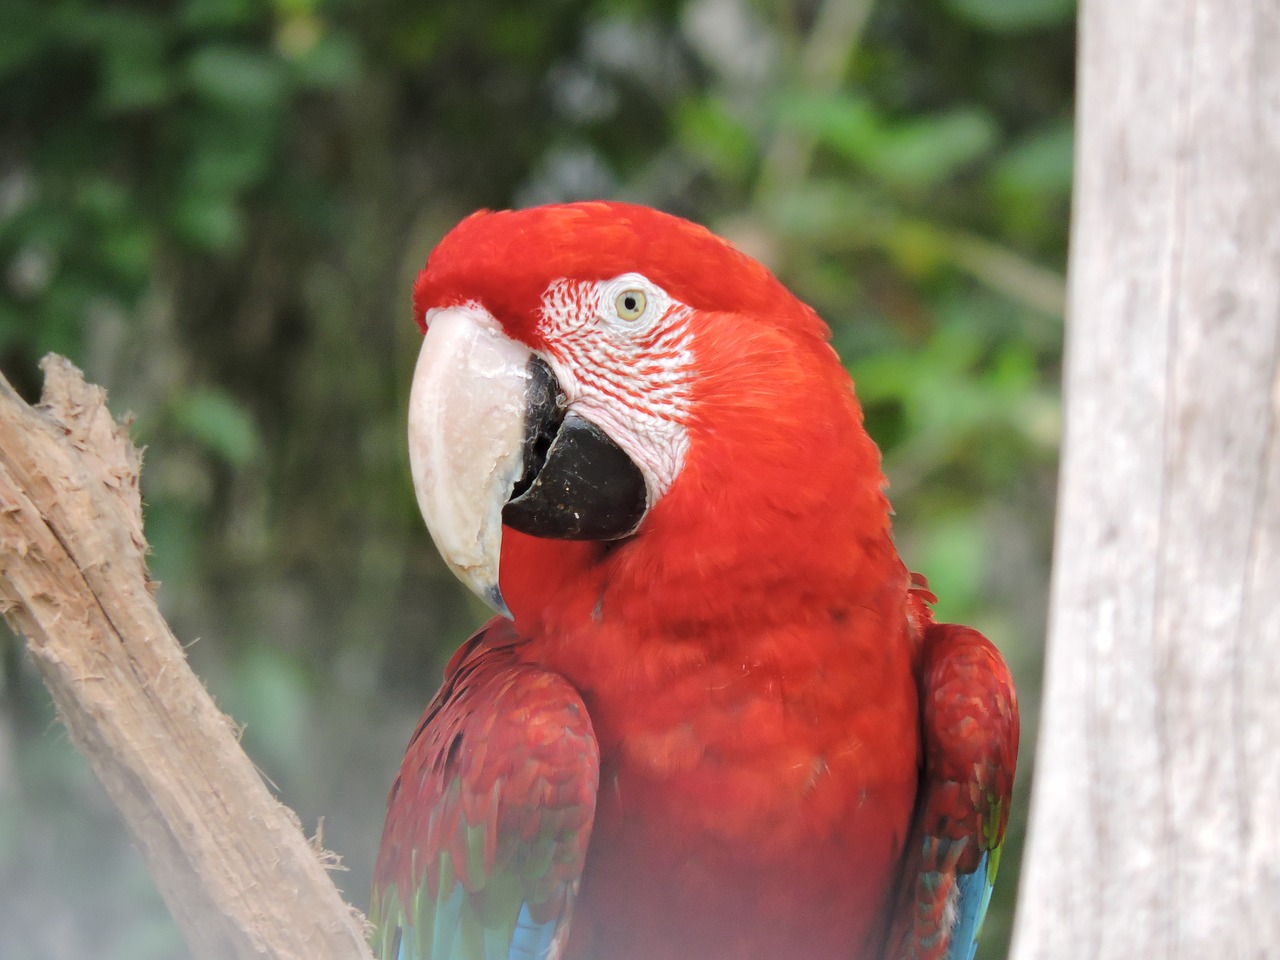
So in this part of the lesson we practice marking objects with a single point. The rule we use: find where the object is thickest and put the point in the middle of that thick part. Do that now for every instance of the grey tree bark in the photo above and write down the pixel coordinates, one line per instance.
(1155, 824)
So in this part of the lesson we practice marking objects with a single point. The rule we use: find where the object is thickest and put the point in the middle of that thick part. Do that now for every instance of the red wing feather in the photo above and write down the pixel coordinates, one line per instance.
(969, 722)
(489, 818)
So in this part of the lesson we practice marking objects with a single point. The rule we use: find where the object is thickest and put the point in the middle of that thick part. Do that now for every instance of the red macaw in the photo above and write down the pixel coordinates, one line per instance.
(714, 719)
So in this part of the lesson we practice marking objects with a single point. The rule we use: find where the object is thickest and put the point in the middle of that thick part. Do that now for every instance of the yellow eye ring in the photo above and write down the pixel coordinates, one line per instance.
(630, 304)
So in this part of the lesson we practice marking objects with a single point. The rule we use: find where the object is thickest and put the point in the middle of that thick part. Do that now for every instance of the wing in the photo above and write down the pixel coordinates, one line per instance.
(969, 716)
(488, 820)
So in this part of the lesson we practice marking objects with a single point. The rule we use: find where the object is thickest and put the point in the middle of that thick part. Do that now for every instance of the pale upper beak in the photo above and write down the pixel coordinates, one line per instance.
(466, 425)
(492, 440)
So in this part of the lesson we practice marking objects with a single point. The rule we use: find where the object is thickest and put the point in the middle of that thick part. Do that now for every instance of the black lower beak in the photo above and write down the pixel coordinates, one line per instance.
(577, 484)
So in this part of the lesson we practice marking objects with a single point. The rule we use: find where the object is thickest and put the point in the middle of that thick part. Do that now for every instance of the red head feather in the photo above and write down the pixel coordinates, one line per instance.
(508, 258)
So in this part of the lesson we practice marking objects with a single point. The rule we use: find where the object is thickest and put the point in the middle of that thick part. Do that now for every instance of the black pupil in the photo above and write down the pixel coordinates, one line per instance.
(629, 302)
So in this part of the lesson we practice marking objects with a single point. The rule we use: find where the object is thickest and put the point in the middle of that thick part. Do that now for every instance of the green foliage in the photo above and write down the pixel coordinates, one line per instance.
(1013, 15)
(220, 424)
(217, 207)
(914, 153)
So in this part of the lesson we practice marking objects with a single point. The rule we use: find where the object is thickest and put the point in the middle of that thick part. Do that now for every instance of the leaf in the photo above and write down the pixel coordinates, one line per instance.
(210, 221)
(295, 8)
(135, 74)
(229, 160)
(917, 152)
(209, 15)
(24, 35)
(130, 253)
(220, 424)
(844, 122)
(1031, 184)
(331, 62)
(237, 78)
(955, 557)
(834, 212)
(925, 151)
(1011, 15)
(707, 128)
(1039, 163)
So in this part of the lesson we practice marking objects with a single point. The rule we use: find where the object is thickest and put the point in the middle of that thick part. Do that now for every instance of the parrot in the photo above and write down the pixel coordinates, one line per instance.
(712, 716)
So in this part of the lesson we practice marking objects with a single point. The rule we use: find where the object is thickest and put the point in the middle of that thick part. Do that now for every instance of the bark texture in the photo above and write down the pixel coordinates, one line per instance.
(1155, 827)
(230, 861)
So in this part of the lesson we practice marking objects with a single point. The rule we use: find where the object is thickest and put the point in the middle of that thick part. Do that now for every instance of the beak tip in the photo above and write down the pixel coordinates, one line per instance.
(493, 597)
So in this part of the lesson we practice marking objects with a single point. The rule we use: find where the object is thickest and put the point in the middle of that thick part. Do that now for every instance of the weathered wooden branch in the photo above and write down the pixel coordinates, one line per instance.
(231, 862)
(1155, 826)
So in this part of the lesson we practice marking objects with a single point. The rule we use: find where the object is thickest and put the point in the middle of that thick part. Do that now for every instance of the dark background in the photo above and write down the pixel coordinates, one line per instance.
(217, 207)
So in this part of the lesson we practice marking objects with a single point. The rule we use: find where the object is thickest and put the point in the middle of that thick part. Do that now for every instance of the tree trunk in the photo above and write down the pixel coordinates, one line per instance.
(230, 861)
(1156, 807)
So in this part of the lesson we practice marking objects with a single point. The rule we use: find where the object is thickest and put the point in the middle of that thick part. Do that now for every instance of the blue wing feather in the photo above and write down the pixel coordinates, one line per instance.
(447, 927)
(971, 909)
(532, 940)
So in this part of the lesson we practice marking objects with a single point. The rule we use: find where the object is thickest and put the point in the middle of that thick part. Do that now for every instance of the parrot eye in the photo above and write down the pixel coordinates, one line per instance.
(630, 304)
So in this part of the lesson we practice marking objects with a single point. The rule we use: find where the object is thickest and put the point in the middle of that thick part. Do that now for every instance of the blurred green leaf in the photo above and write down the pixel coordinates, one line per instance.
(24, 34)
(954, 559)
(294, 8)
(925, 151)
(331, 62)
(1031, 184)
(135, 73)
(64, 314)
(209, 15)
(917, 152)
(1039, 162)
(104, 199)
(12, 325)
(220, 424)
(517, 31)
(1014, 14)
(210, 221)
(706, 128)
(835, 213)
(419, 36)
(228, 160)
(130, 253)
(237, 78)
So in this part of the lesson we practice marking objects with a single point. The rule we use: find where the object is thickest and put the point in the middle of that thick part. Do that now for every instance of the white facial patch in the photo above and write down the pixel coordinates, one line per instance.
(621, 351)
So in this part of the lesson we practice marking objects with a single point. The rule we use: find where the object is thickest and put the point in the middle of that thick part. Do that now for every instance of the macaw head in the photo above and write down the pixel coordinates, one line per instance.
(604, 373)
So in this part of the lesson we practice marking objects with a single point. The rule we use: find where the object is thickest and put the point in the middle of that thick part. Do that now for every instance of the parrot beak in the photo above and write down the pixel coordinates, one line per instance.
(492, 441)
(466, 426)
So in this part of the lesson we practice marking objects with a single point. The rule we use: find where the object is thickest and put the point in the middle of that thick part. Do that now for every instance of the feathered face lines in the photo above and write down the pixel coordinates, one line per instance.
(622, 351)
